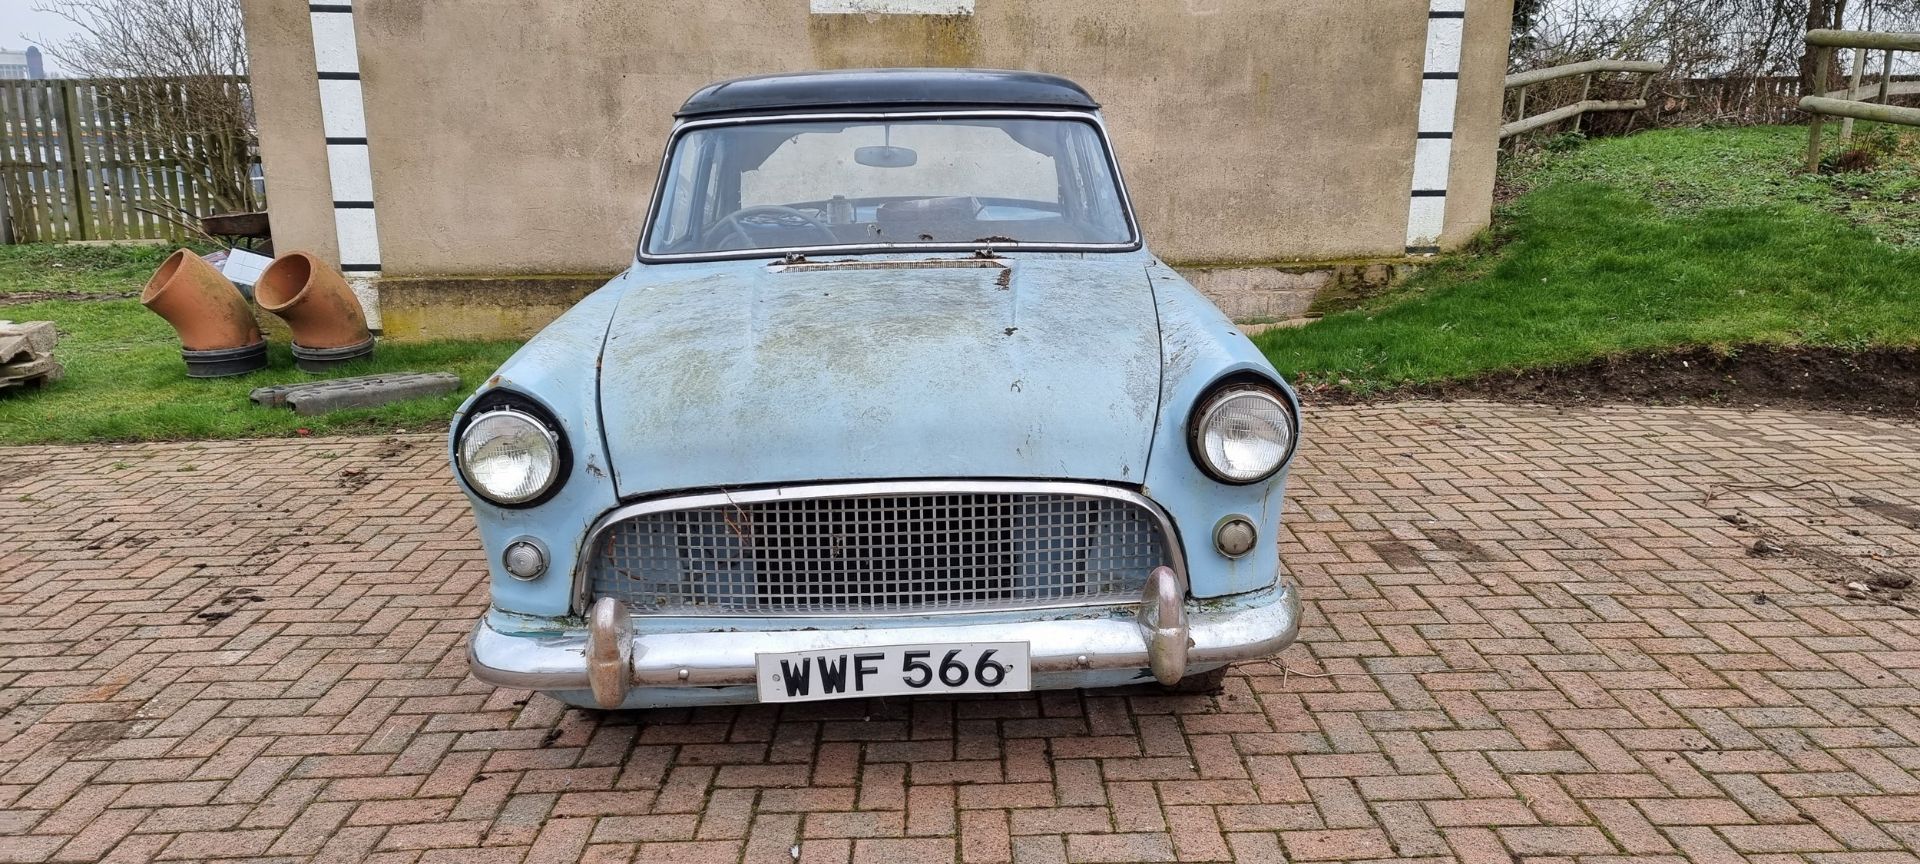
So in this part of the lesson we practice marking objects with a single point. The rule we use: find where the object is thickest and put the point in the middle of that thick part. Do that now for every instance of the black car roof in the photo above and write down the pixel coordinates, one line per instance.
(874, 88)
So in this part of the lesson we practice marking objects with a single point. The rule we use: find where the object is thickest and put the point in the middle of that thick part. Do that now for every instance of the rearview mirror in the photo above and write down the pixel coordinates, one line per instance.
(886, 157)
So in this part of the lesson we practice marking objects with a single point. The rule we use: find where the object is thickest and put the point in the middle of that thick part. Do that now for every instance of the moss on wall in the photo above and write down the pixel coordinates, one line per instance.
(477, 308)
(858, 41)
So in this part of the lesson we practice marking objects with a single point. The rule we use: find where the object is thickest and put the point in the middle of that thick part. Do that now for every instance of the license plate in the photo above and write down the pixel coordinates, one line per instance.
(894, 670)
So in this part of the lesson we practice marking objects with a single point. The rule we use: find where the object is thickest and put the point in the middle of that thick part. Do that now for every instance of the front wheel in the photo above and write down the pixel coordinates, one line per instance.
(1207, 682)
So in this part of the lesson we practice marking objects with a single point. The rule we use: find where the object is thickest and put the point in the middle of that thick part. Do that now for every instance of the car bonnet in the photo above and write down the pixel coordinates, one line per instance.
(743, 373)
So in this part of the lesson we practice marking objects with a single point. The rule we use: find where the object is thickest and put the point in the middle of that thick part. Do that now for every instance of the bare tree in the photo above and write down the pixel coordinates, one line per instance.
(179, 70)
(1821, 15)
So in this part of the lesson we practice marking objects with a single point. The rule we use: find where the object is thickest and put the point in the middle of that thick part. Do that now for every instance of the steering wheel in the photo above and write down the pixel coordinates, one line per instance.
(772, 215)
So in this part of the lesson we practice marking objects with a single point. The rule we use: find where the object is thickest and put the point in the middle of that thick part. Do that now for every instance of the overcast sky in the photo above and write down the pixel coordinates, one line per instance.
(21, 25)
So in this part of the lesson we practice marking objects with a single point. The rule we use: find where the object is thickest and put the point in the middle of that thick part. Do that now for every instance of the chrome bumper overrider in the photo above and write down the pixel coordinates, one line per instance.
(1167, 636)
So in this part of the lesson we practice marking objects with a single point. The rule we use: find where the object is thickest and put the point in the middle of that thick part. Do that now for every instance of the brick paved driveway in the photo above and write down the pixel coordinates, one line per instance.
(1547, 634)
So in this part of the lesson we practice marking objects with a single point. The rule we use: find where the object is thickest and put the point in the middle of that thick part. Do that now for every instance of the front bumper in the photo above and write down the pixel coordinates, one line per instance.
(609, 659)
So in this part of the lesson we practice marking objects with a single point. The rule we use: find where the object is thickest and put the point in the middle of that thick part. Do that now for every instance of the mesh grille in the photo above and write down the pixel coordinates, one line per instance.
(884, 554)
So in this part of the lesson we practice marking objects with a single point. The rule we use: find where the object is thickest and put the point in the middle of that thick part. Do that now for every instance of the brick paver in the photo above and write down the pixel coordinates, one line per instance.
(1533, 634)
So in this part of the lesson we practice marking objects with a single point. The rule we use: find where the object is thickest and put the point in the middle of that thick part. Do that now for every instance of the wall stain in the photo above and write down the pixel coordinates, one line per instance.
(863, 41)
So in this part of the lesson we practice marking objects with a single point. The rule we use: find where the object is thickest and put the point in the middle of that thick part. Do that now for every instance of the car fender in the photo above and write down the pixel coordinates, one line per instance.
(1200, 347)
(559, 369)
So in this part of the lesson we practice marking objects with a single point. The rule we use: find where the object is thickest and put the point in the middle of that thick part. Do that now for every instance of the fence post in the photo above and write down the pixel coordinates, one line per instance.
(1586, 88)
(71, 145)
(1519, 113)
(1853, 83)
(1646, 86)
(1886, 75)
(1823, 64)
(6, 206)
(6, 172)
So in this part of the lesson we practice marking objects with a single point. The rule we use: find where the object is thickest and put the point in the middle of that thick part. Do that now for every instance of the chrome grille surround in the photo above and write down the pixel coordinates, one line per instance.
(884, 548)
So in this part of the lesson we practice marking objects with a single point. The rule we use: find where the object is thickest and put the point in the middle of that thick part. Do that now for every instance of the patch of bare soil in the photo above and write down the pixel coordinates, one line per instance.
(1865, 578)
(393, 448)
(39, 296)
(1882, 381)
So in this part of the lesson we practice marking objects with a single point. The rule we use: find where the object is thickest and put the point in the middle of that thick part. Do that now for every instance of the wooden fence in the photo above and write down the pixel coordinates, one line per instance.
(1520, 81)
(1737, 100)
(75, 164)
(1854, 102)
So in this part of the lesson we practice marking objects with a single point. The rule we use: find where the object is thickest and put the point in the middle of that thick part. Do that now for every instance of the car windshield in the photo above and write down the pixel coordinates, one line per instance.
(901, 181)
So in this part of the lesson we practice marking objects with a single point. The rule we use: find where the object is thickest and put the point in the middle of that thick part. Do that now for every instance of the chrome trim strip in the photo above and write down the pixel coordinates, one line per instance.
(1135, 242)
(583, 581)
(1260, 624)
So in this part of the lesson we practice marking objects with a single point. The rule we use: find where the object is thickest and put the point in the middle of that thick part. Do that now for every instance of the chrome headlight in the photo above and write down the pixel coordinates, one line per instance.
(510, 456)
(1242, 433)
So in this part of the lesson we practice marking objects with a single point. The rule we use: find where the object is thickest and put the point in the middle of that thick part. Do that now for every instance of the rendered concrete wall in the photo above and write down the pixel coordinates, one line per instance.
(286, 105)
(509, 137)
(1476, 131)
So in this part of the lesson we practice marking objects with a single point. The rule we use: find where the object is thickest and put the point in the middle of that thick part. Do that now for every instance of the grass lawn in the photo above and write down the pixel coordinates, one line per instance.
(1666, 239)
(125, 380)
(56, 268)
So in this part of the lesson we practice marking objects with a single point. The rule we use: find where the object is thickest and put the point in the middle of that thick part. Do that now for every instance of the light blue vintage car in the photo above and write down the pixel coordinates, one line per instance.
(893, 400)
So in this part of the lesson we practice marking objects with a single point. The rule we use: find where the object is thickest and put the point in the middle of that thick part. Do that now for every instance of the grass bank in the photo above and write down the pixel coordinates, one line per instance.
(125, 380)
(1664, 240)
